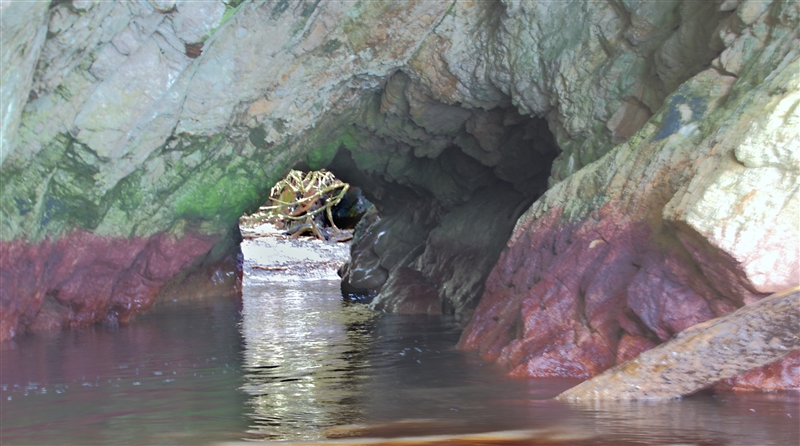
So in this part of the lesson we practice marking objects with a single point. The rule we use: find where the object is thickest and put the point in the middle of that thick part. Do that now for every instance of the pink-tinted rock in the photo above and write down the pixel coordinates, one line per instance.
(81, 278)
(585, 358)
(586, 287)
(593, 295)
(630, 346)
(742, 343)
(780, 375)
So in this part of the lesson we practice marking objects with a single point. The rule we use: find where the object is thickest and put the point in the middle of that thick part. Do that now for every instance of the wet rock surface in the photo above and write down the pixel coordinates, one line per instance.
(82, 279)
(749, 338)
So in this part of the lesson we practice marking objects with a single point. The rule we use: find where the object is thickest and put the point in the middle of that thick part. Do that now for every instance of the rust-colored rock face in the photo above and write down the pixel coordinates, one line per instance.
(82, 278)
(745, 343)
(573, 300)
(780, 375)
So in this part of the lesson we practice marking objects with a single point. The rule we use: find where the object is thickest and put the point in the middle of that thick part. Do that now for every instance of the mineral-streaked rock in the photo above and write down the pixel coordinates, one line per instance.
(746, 339)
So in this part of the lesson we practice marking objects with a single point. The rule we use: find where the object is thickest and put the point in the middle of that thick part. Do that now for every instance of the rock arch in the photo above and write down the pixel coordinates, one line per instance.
(134, 135)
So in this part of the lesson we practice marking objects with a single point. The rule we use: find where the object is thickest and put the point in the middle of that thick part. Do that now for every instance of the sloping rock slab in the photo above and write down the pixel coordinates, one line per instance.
(753, 336)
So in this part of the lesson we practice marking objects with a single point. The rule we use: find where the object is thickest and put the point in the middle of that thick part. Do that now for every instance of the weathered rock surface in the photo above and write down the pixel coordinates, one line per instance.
(746, 339)
(651, 239)
(82, 278)
(666, 131)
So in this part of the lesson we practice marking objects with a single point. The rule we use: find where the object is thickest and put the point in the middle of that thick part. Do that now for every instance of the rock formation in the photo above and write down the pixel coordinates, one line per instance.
(749, 338)
(619, 171)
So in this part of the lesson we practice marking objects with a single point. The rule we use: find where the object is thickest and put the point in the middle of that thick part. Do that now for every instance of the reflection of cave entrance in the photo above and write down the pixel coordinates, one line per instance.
(449, 183)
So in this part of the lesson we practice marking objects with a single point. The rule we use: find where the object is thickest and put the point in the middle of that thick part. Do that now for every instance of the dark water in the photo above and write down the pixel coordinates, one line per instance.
(297, 363)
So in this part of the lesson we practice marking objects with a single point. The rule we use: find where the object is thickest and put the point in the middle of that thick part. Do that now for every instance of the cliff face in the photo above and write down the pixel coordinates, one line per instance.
(662, 135)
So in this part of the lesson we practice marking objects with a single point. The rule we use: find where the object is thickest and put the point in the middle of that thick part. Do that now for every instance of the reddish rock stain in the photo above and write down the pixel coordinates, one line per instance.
(81, 278)
(572, 299)
(783, 374)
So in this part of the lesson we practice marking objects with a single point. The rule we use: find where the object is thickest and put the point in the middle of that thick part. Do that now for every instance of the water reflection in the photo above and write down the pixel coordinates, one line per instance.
(305, 358)
(169, 378)
(741, 419)
(317, 367)
(297, 363)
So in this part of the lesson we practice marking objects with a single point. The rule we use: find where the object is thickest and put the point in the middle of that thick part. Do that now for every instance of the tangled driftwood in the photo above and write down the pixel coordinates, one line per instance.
(300, 202)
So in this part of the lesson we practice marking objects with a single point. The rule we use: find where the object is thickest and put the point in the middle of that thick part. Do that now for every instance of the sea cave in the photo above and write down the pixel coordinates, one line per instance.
(579, 207)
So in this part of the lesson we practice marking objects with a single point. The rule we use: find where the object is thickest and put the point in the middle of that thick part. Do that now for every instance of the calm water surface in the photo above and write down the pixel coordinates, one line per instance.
(297, 363)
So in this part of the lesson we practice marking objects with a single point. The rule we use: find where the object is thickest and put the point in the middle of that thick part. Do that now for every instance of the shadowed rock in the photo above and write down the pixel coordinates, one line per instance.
(751, 337)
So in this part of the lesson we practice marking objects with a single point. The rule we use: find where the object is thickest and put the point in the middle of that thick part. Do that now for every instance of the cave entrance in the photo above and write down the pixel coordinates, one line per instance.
(448, 180)
(303, 231)
(449, 183)
(447, 204)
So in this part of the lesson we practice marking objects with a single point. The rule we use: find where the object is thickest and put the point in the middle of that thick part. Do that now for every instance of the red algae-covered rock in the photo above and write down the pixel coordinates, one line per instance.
(588, 287)
(747, 341)
(81, 278)
(780, 375)
(646, 242)
(630, 346)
